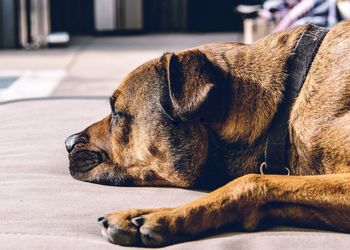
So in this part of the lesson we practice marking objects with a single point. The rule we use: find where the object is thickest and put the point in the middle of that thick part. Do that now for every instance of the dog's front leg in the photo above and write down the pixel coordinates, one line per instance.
(246, 202)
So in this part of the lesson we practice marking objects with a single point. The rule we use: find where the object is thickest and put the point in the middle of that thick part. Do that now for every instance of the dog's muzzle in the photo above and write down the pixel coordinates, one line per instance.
(81, 159)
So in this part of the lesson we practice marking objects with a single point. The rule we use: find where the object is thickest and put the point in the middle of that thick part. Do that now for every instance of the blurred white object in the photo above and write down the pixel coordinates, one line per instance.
(344, 9)
(247, 9)
(31, 84)
(57, 38)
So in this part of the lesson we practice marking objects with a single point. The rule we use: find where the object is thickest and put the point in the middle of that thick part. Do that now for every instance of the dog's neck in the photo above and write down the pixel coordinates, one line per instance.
(257, 74)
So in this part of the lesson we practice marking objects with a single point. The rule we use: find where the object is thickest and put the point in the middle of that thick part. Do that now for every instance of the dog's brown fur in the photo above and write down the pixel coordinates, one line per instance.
(201, 117)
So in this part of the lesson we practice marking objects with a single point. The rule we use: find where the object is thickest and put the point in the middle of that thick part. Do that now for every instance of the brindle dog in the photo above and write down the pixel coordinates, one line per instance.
(199, 118)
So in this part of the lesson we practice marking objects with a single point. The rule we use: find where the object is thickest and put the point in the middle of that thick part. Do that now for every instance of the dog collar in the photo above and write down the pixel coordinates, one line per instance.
(298, 65)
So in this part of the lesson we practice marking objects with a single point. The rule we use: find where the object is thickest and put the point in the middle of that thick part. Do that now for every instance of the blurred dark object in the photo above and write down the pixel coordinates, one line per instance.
(165, 16)
(211, 16)
(73, 16)
(8, 24)
(191, 16)
(89, 17)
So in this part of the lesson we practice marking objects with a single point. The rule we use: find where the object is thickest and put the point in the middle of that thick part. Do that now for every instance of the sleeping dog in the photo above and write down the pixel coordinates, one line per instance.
(267, 124)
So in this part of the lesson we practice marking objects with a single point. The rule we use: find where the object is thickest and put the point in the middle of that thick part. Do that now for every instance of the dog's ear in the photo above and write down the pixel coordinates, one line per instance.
(192, 86)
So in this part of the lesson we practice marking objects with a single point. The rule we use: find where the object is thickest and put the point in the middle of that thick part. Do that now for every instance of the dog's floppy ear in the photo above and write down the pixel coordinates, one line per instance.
(192, 85)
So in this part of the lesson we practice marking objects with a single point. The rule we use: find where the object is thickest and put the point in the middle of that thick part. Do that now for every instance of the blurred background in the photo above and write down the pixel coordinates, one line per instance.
(85, 47)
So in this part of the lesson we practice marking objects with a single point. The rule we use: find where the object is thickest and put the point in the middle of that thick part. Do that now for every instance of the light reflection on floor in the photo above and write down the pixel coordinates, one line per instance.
(28, 84)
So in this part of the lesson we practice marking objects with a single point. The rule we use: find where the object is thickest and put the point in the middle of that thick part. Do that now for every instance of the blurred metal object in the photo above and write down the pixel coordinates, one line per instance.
(34, 23)
(118, 15)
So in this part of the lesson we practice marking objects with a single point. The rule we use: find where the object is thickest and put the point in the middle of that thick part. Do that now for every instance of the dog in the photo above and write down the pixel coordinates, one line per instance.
(201, 118)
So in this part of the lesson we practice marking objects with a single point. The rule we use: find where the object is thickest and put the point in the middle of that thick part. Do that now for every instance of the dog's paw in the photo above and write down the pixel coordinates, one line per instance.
(137, 227)
(157, 229)
(118, 229)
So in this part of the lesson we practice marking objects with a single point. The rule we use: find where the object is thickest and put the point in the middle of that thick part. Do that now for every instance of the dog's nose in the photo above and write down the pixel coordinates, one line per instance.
(75, 139)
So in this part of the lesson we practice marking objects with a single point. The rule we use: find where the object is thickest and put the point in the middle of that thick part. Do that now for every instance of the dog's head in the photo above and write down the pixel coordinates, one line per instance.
(157, 131)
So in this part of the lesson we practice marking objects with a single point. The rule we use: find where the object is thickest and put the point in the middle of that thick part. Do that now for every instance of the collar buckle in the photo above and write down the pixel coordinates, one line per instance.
(263, 168)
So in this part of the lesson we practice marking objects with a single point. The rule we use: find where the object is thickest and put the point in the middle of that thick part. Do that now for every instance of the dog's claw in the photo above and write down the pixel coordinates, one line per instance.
(103, 222)
(138, 221)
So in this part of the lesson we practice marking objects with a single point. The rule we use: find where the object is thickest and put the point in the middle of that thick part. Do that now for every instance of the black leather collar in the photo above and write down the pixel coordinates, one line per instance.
(298, 65)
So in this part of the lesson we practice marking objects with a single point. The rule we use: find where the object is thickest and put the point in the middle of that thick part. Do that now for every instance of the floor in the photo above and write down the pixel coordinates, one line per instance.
(90, 65)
